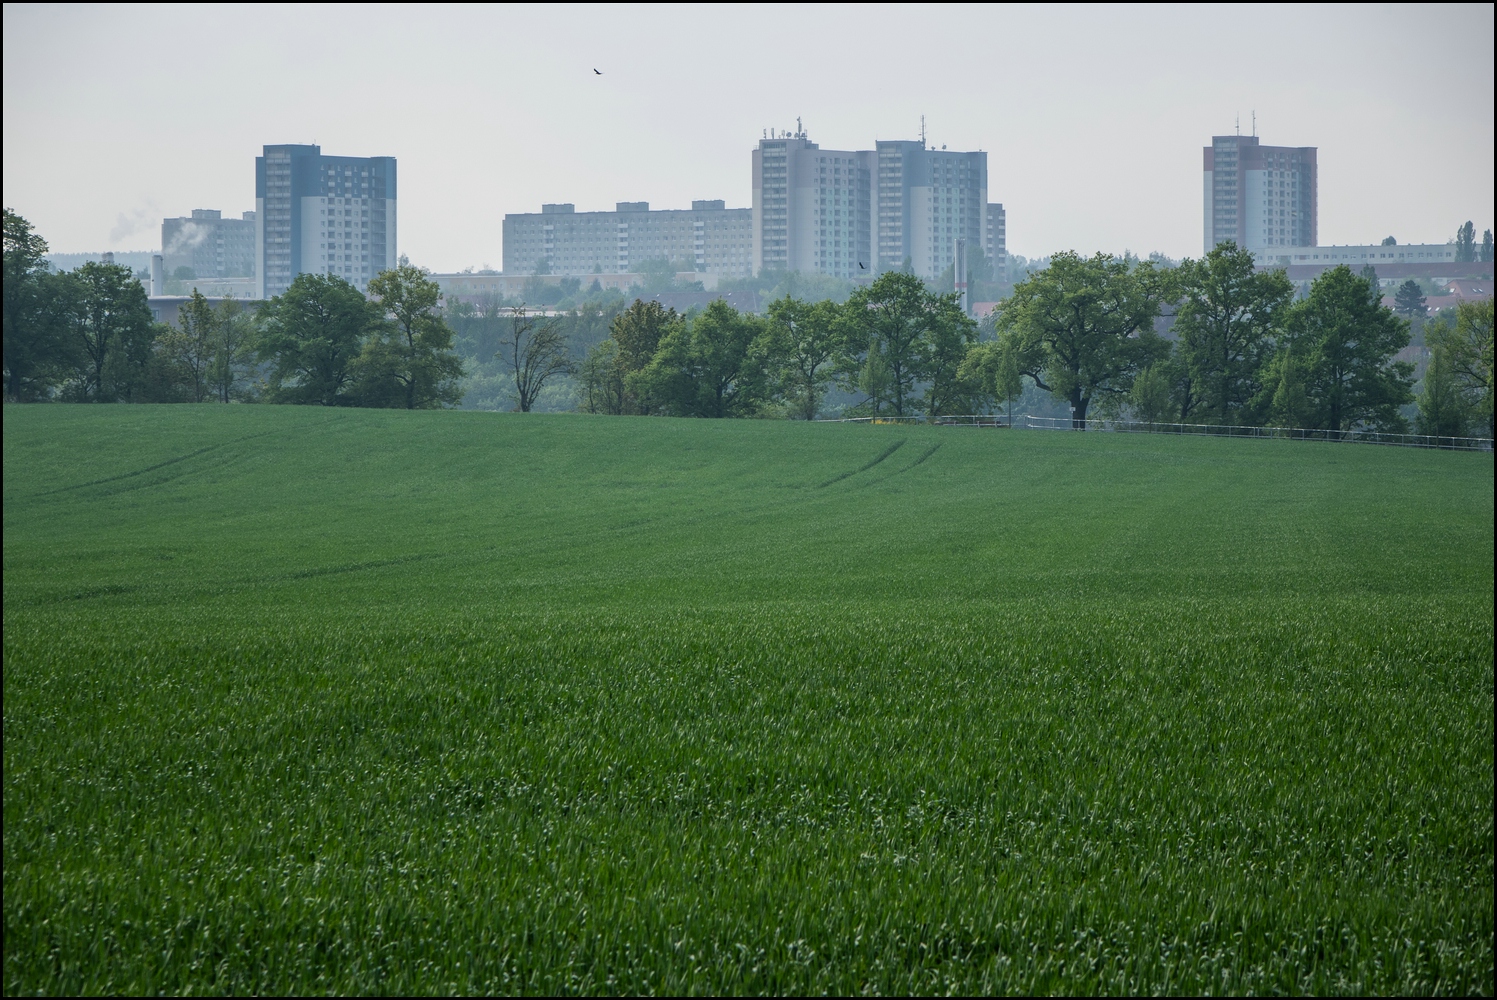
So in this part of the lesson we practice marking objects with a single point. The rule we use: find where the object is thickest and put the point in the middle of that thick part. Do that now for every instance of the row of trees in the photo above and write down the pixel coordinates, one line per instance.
(1242, 350)
(895, 342)
(87, 335)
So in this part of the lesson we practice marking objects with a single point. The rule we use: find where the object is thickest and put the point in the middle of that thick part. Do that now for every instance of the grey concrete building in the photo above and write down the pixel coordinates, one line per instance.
(709, 238)
(813, 207)
(208, 245)
(995, 239)
(854, 213)
(322, 214)
(1259, 196)
(928, 199)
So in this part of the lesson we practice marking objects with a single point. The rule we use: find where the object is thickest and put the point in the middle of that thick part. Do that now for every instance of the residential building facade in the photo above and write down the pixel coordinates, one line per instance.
(855, 213)
(1259, 196)
(322, 214)
(209, 245)
(813, 207)
(708, 238)
(927, 200)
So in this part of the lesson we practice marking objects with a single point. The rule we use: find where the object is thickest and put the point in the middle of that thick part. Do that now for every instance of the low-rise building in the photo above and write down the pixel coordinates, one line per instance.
(707, 239)
(205, 245)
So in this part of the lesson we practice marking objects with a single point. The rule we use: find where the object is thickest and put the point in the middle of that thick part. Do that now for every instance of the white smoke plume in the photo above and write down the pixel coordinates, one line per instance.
(190, 235)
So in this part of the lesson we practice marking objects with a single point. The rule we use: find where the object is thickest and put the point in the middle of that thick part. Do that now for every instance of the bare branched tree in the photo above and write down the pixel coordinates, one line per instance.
(535, 351)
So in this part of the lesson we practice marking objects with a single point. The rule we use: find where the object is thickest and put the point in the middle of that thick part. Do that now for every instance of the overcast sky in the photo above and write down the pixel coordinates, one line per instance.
(1093, 117)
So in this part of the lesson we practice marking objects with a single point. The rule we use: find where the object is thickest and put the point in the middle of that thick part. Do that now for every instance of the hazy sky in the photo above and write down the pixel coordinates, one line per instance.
(1093, 117)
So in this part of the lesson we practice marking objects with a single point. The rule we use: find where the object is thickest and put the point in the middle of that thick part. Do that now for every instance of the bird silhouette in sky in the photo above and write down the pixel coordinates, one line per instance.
(861, 267)
(598, 71)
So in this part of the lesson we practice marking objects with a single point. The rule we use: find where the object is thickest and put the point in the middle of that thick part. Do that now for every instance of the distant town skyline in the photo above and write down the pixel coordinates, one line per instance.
(1093, 118)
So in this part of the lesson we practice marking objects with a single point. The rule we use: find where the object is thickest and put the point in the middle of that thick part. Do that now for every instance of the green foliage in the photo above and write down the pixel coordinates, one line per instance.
(408, 361)
(806, 342)
(1465, 242)
(232, 369)
(601, 380)
(36, 304)
(1467, 346)
(312, 336)
(1409, 301)
(1347, 339)
(112, 333)
(535, 352)
(900, 321)
(728, 707)
(1443, 411)
(1486, 246)
(659, 277)
(711, 367)
(1226, 324)
(190, 348)
(1151, 399)
(1289, 406)
(1083, 328)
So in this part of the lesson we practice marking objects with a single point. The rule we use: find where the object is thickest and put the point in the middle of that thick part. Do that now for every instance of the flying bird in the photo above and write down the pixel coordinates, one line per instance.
(861, 267)
(599, 72)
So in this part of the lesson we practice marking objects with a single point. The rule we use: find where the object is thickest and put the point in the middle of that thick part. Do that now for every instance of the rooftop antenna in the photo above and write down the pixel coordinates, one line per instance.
(800, 133)
(922, 131)
(1255, 121)
(1237, 124)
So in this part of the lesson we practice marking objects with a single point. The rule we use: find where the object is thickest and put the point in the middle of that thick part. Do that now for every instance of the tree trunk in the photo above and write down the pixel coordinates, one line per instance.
(1079, 404)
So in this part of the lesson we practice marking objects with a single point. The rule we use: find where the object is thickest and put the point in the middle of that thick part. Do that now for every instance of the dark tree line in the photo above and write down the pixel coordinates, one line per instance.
(88, 336)
(1242, 350)
(894, 343)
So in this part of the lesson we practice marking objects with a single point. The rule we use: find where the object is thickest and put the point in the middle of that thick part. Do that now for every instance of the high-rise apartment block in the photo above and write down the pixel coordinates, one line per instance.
(708, 238)
(322, 214)
(927, 200)
(854, 213)
(209, 245)
(813, 207)
(1259, 196)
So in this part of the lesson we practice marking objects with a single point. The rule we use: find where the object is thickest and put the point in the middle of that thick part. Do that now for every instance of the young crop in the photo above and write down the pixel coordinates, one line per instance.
(545, 706)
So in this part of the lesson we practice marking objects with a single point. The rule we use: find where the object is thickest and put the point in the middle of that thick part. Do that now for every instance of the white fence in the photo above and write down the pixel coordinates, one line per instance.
(1023, 421)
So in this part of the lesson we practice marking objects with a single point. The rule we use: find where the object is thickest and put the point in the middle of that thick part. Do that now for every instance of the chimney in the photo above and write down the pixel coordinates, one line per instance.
(158, 275)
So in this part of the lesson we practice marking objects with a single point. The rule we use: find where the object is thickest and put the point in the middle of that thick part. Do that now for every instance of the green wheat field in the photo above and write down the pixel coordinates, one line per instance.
(313, 701)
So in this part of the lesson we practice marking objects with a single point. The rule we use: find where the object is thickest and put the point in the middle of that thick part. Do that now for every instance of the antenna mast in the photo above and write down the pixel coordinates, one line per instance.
(1255, 121)
(922, 131)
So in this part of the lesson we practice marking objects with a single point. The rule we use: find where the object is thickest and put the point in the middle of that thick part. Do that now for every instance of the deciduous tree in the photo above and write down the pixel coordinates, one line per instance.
(1226, 322)
(805, 341)
(894, 316)
(711, 367)
(1467, 344)
(1084, 327)
(1465, 242)
(1442, 408)
(191, 345)
(534, 351)
(637, 333)
(113, 331)
(37, 312)
(1347, 339)
(408, 361)
(311, 335)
